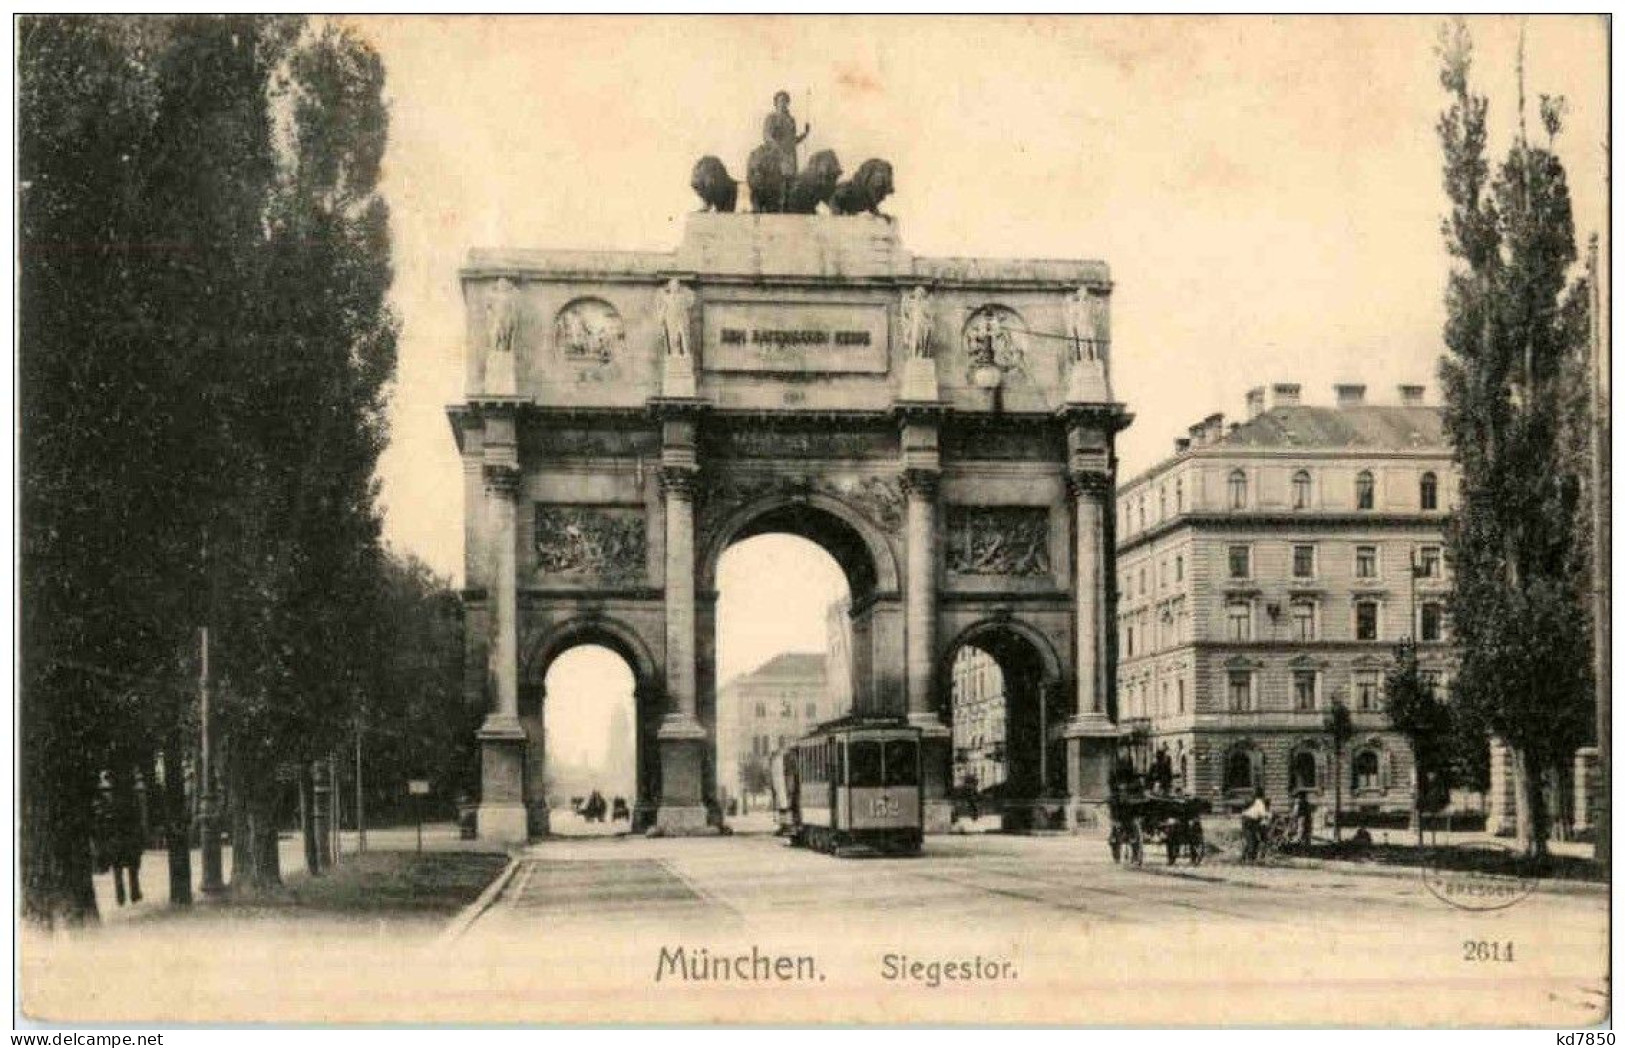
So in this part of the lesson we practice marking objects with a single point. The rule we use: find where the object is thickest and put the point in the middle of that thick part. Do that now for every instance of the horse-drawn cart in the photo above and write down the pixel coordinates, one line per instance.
(1174, 822)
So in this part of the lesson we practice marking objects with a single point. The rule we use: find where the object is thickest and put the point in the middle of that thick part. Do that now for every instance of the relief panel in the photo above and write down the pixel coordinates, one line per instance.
(590, 543)
(998, 540)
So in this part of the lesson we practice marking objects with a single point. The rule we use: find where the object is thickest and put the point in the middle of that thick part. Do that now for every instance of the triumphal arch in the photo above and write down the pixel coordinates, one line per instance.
(943, 427)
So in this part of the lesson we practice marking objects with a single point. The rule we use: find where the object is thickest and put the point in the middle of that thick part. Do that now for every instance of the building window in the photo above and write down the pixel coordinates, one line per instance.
(784, 708)
(1365, 490)
(1432, 621)
(1430, 491)
(1367, 771)
(1240, 562)
(812, 711)
(1238, 770)
(1365, 620)
(1305, 774)
(1303, 690)
(761, 709)
(1433, 680)
(1142, 512)
(1129, 646)
(1241, 691)
(1179, 569)
(1365, 562)
(1303, 562)
(1428, 562)
(1240, 616)
(1367, 692)
(1179, 495)
(1303, 620)
(1238, 489)
(1162, 502)
(1300, 489)
(1142, 582)
(1179, 693)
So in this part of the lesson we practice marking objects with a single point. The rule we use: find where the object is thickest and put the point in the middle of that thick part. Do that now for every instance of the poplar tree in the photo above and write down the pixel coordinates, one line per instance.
(1514, 337)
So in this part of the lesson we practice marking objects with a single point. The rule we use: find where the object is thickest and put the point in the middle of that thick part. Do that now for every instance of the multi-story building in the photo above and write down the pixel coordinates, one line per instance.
(771, 705)
(978, 720)
(1267, 570)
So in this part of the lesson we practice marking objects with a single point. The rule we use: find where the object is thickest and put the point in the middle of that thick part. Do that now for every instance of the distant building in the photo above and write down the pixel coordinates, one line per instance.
(766, 708)
(978, 720)
(838, 656)
(1266, 570)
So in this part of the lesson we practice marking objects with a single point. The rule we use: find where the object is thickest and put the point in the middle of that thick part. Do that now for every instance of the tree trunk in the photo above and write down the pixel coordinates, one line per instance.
(1532, 820)
(177, 823)
(255, 864)
(1337, 794)
(307, 819)
(54, 825)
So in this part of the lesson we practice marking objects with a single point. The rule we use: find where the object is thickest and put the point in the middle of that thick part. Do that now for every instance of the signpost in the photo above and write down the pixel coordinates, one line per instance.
(418, 788)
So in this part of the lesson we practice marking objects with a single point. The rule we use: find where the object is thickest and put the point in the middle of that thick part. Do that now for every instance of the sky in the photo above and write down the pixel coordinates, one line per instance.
(1266, 190)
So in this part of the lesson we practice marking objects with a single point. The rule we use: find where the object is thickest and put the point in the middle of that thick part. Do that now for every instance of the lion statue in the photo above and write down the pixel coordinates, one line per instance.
(864, 191)
(718, 190)
(764, 173)
(815, 183)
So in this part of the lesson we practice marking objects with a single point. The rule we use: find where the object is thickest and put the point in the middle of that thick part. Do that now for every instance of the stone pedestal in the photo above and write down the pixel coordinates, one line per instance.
(502, 816)
(682, 779)
(1502, 817)
(1587, 789)
(1091, 748)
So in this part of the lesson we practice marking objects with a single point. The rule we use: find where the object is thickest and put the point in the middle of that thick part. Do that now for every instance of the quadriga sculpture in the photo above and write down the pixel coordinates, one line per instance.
(718, 190)
(815, 184)
(864, 191)
(764, 173)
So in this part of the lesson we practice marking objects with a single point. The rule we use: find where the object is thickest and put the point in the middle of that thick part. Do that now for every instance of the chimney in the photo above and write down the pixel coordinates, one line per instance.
(1411, 396)
(1181, 445)
(1350, 395)
(1212, 427)
(1286, 394)
(1255, 402)
(1198, 435)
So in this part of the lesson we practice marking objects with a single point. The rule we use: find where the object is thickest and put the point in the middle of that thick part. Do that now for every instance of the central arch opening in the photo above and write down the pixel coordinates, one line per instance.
(797, 596)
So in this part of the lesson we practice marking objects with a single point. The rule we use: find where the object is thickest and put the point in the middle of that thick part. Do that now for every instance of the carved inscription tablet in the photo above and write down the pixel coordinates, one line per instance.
(597, 543)
(778, 337)
(998, 540)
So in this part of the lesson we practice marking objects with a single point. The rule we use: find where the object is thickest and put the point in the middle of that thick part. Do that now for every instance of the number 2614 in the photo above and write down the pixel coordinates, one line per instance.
(1475, 950)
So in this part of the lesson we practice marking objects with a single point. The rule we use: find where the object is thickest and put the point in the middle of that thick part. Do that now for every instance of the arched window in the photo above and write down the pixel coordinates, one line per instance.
(1238, 770)
(1367, 771)
(1300, 489)
(1365, 490)
(1430, 491)
(1238, 489)
(1305, 773)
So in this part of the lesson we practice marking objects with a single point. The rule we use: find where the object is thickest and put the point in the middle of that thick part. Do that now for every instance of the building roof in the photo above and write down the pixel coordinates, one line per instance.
(1367, 427)
(787, 666)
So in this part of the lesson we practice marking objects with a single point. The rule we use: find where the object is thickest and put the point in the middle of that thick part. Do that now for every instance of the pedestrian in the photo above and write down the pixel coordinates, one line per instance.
(1304, 813)
(1253, 821)
(1162, 771)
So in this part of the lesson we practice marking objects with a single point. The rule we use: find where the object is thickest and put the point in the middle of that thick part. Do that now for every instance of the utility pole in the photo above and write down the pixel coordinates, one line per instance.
(360, 797)
(207, 816)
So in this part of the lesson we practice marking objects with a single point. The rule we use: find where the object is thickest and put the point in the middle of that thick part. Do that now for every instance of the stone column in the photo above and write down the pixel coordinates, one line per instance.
(682, 736)
(1501, 816)
(921, 533)
(1091, 737)
(502, 739)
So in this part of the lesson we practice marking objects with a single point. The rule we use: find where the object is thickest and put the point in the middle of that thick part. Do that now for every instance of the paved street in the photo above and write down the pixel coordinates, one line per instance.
(1100, 942)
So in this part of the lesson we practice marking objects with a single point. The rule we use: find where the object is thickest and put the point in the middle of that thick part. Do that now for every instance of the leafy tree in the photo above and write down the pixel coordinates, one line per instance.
(1339, 727)
(1515, 336)
(753, 776)
(1423, 717)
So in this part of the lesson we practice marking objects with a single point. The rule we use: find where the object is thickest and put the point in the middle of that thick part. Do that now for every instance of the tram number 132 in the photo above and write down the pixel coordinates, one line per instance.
(884, 807)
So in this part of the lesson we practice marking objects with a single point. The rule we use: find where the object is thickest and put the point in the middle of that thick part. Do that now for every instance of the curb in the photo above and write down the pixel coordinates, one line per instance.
(476, 909)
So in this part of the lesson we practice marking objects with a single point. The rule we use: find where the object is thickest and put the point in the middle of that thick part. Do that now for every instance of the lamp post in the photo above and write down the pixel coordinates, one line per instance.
(207, 815)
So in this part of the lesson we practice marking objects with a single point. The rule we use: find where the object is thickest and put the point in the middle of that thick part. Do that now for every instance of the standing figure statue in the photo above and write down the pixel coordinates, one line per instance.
(1085, 324)
(502, 337)
(917, 323)
(676, 304)
(779, 129)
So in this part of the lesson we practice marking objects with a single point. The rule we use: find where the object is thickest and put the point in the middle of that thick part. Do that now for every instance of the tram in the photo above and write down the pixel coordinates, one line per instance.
(852, 784)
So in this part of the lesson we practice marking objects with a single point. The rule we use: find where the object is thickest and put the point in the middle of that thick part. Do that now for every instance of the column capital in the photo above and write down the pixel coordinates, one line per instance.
(921, 482)
(1092, 483)
(502, 479)
(678, 481)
